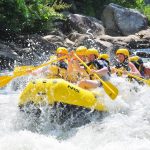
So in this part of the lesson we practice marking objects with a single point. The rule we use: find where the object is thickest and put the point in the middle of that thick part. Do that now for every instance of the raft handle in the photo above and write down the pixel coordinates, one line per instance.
(40, 93)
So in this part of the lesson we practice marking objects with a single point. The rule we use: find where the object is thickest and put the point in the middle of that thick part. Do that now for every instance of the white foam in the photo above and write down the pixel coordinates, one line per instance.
(126, 127)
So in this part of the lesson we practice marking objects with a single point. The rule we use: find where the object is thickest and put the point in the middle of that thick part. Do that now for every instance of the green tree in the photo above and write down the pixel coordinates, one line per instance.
(142, 7)
(29, 15)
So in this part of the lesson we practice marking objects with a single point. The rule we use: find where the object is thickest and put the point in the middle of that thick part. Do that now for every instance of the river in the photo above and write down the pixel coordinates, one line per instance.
(125, 127)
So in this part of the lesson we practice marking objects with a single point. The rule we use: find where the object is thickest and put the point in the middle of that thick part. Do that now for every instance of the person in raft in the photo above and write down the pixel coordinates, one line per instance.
(97, 66)
(55, 70)
(124, 64)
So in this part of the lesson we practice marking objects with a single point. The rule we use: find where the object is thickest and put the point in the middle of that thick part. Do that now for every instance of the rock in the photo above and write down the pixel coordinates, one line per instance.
(68, 43)
(147, 1)
(82, 38)
(123, 21)
(53, 38)
(7, 56)
(78, 38)
(144, 34)
(57, 40)
(104, 44)
(94, 43)
(28, 50)
(35, 49)
(131, 41)
(6, 51)
(85, 25)
(74, 36)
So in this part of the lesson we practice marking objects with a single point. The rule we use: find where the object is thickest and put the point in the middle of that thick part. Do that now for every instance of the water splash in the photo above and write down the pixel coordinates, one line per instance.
(125, 127)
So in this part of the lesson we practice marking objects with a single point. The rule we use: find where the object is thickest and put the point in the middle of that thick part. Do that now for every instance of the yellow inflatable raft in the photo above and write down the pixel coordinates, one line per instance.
(51, 91)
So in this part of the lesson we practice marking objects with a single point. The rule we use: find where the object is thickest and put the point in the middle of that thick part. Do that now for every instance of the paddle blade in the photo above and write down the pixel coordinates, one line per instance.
(5, 81)
(147, 82)
(111, 90)
(3, 77)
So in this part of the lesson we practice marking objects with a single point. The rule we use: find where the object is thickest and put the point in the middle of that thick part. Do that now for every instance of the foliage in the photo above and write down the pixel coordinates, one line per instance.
(125, 3)
(94, 8)
(145, 9)
(29, 15)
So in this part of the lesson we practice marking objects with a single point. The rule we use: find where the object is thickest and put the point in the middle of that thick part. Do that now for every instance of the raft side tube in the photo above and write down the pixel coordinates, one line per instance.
(59, 90)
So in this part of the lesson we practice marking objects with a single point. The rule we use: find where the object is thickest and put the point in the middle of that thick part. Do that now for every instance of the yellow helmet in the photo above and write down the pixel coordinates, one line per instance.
(104, 56)
(134, 58)
(123, 51)
(92, 51)
(61, 50)
(81, 50)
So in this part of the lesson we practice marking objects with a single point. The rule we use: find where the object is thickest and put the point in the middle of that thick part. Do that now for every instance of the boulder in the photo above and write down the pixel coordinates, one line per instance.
(74, 36)
(147, 1)
(85, 25)
(6, 51)
(54, 39)
(68, 43)
(7, 56)
(123, 21)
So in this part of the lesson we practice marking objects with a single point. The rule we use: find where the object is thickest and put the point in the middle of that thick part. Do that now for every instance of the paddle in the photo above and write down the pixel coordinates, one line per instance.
(21, 70)
(3, 77)
(24, 70)
(109, 88)
(147, 81)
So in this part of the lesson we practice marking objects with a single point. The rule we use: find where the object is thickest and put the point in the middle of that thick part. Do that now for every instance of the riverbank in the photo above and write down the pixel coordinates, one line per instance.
(116, 29)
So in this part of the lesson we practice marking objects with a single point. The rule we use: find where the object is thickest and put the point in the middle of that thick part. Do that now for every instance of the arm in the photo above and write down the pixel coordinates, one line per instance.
(73, 64)
(39, 71)
(102, 71)
(113, 70)
(134, 70)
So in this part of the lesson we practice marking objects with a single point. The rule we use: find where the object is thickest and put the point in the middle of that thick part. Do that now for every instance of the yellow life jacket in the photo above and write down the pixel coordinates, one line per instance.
(138, 62)
(120, 73)
(77, 76)
(73, 77)
(57, 72)
(124, 66)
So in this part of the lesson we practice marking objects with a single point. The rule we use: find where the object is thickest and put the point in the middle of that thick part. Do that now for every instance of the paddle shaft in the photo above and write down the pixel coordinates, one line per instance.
(136, 77)
(131, 75)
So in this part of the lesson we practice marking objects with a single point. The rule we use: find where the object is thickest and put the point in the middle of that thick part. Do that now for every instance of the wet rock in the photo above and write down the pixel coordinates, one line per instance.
(123, 21)
(7, 56)
(54, 38)
(37, 49)
(83, 24)
(74, 36)
(104, 45)
(68, 43)
(78, 38)
(144, 34)
(28, 50)
(6, 51)
(131, 41)
(147, 1)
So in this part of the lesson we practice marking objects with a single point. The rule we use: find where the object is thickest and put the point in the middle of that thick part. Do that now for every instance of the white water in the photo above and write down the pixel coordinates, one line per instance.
(126, 127)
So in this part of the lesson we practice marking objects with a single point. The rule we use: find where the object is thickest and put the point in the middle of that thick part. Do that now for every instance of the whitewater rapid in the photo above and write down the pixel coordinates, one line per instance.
(125, 127)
